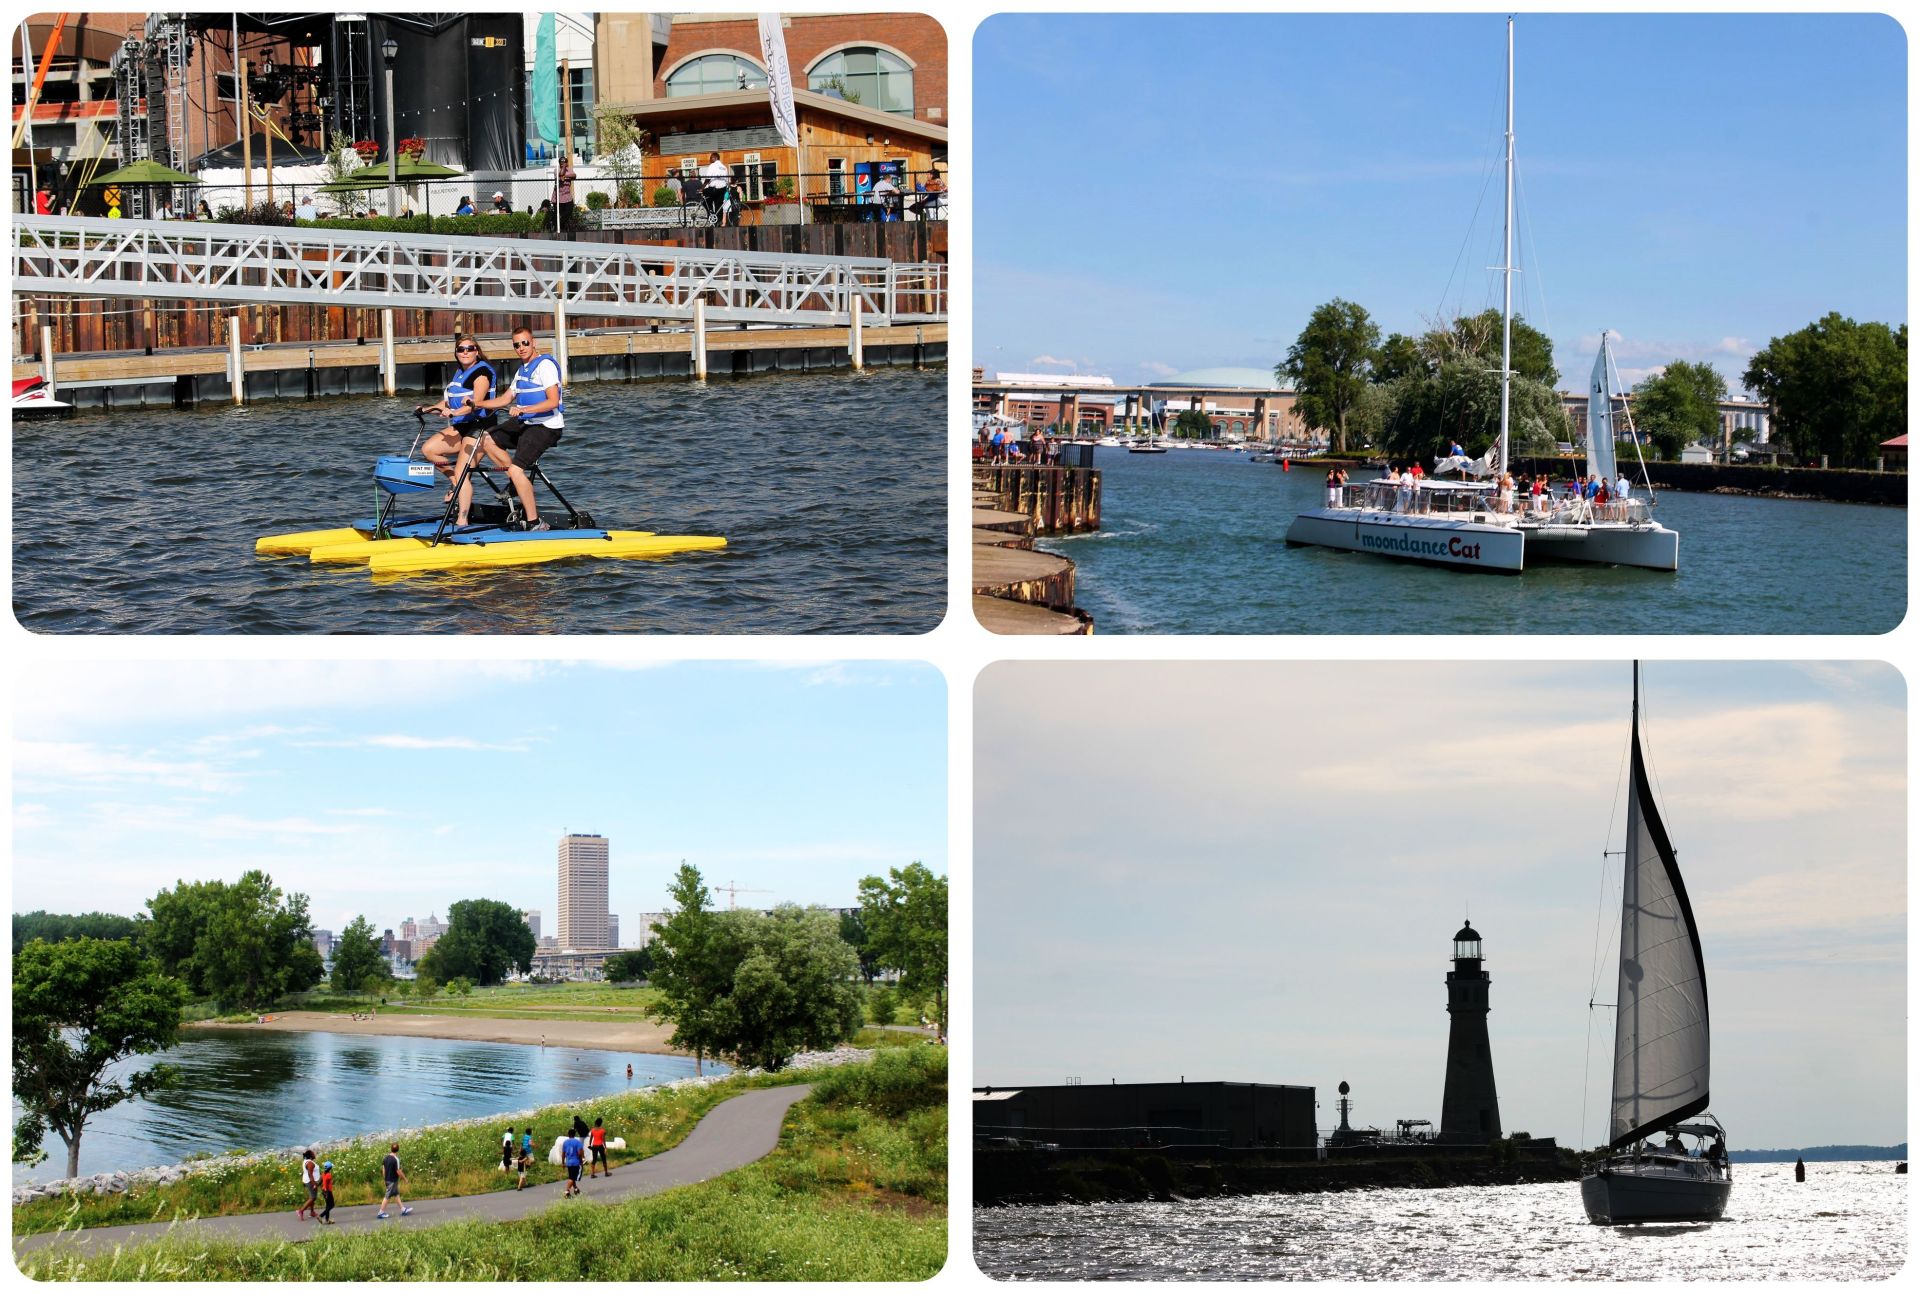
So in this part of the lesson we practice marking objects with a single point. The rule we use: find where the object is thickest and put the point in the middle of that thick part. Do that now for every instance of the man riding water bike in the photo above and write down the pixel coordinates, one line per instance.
(472, 382)
(539, 415)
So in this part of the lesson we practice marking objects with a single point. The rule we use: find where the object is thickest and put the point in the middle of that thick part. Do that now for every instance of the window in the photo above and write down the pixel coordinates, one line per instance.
(715, 74)
(836, 176)
(754, 177)
(579, 95)
(871, 77)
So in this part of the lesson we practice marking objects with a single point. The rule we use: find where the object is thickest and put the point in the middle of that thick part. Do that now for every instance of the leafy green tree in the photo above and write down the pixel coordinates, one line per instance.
(629, 967)
(1398, 356)
(243, 944)
(853, 929)
(883, 1002)
(459, 986)
(1329, 365)
(79, 1007)
(690, 969)
(400, 988)
(57, 927)
(1192, 424)
(425, 987)
(357, 963)
(790, 985)
(1679, 406)
(1532, 349)
(1460, 401)
(906, 917)
(1836, 387)
(485, 939)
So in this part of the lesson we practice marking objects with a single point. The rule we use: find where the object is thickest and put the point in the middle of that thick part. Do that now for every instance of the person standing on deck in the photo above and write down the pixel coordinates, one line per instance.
(563, 193)
(1333, 488)
(539, 416)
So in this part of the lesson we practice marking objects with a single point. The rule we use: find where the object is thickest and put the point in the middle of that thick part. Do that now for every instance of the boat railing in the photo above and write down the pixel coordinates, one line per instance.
(1410, 499)
(1563, 511)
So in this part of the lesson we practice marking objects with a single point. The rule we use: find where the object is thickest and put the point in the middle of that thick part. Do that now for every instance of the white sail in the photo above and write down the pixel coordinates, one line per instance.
(1600, 419)
(1660, 1045)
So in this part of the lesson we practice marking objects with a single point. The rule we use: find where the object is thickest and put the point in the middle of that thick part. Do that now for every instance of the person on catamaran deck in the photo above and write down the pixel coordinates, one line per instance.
(539, 416)
(1454, 450)
(473, 381)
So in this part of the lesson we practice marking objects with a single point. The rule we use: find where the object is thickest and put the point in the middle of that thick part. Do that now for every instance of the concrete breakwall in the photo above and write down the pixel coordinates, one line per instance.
(1834, 485)
(1016, 589)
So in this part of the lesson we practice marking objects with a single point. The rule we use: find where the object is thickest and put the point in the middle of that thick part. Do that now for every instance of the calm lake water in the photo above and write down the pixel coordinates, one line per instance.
(830, 490)
(1847, 1222)
(263, 1091)
(1193, 542)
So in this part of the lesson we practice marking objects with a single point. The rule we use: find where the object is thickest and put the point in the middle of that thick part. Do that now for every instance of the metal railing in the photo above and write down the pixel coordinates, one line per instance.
(266, 265)
(1545, 509)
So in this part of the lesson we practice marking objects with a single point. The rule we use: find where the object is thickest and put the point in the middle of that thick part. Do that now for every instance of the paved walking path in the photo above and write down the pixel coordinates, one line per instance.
(732, 1135)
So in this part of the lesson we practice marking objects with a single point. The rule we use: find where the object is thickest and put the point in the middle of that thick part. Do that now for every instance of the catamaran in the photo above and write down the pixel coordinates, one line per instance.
(1660, 1042)
(1468, 523)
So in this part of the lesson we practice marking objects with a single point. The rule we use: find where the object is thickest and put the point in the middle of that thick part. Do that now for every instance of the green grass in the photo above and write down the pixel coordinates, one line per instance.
(439, 1162)
(856, 1190)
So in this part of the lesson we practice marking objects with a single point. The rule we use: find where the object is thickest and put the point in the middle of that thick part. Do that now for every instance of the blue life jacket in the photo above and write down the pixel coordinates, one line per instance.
(530, 390)
(460, 392)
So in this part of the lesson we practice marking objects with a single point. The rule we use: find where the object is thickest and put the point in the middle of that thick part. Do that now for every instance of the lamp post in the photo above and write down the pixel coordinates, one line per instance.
(389, 48)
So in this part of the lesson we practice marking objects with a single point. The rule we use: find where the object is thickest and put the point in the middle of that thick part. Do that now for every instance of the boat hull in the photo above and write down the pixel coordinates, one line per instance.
(1653, 547)
(1617, 1196)
(1462, 545)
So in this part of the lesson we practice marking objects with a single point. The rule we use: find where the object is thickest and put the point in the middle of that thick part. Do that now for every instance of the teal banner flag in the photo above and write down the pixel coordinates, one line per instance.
(546, 83)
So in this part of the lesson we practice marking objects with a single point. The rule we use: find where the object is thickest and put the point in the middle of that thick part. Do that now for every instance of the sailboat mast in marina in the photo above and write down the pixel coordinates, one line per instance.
(1472, 524)
(1661, 1045)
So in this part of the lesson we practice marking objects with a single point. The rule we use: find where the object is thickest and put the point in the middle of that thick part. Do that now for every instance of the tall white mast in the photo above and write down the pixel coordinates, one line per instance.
(1506, 275)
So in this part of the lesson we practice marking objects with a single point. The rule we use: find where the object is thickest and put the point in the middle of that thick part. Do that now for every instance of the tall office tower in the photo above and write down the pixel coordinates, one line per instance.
(532, 917)
(613, 930)
(583, 892)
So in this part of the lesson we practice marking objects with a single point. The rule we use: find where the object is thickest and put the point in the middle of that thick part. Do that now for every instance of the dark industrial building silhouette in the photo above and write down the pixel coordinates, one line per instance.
(1470, 1109)
(1074, 1115)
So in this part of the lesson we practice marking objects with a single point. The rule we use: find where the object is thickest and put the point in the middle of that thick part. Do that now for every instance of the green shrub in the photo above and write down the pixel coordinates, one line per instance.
(664, 196)
(900, 1080)
(631, 193)
(597, 201)
(883, 1003)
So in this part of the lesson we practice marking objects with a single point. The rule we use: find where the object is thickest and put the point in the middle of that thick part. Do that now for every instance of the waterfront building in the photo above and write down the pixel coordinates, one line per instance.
(1093, 1115)
(402, 950)
(1470, 1107)
(613, 930)
(323, 943)
(647, 922)
(386, 943)
(1239, 403)
(409, 930)
(582, 919)
(869, 91)
(532, 917)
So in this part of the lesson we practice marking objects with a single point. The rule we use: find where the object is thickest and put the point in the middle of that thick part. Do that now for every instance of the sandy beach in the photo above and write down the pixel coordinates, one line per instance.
(626, 1034)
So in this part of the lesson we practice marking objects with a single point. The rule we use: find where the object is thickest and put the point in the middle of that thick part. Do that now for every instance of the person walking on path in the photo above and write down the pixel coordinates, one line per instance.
(597, 1143)
(326, 1192)
(572, 1150)
(309, 1178)
(526, 1157)
(394, 1174)
(506, 1151)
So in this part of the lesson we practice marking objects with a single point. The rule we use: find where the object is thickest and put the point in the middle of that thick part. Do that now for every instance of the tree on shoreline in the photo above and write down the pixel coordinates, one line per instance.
(906, 918)
(629, 967)
(245, 945)
(357, 963)
(57, 927)
(1679, 405)
(1836, 387)
(684, 969)
(78, 1007)
(485, 939)
(1329, 364)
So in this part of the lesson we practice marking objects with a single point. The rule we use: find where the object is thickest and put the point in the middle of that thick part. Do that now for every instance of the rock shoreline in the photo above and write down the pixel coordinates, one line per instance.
(118, 1182)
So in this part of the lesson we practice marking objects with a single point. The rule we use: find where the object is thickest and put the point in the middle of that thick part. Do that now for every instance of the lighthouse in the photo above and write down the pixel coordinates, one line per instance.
(1470, 1109)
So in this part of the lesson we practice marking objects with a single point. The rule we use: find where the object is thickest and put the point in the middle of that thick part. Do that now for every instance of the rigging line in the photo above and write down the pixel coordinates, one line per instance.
(1486, 180)
(1526, 218)
(1600, 917)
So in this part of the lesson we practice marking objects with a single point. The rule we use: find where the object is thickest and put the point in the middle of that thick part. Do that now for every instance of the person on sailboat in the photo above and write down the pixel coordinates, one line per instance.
(1333, 489)
(1506, 491)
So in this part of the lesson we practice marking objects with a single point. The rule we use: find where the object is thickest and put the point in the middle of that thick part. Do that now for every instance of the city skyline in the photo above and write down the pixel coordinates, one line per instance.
(1267, 863)
(130, 777)
(1668, 205)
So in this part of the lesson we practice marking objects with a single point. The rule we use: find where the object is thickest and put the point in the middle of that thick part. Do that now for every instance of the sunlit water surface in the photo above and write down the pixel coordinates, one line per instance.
(830, 490)
(1193, 541)
(1848, 1221)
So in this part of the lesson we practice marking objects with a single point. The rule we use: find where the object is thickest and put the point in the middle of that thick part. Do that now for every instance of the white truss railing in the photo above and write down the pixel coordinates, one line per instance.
(260, 265)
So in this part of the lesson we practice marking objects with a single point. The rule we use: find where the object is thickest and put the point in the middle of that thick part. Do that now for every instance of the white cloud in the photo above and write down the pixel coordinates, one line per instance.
(1053, 361)
(69, 763)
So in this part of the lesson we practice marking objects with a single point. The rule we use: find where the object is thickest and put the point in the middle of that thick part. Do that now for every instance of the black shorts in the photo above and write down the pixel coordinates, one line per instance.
(526, 441)
(599, 1154)
(573, 1172)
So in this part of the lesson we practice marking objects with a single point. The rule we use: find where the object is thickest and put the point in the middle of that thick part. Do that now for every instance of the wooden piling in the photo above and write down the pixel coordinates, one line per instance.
(389, 381)
(700, 339)
(237, 372)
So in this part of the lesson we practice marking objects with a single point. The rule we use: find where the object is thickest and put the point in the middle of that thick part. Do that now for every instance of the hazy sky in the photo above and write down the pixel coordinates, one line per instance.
(368, 788)
(1158, 193)
(1255, 871)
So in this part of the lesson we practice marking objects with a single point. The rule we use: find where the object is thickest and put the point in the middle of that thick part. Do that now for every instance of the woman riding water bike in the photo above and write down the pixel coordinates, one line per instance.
(447, 449)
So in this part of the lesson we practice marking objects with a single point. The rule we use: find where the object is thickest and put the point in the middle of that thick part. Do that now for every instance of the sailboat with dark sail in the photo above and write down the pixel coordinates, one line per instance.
(1661, 1045)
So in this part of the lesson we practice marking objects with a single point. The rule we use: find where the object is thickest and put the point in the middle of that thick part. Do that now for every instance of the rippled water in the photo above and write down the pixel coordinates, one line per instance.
(262, 1091)
(830, 489)
(1193, 542)
(1846, 1222)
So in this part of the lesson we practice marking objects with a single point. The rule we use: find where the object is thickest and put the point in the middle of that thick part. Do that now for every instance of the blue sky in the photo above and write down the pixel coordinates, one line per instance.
(362, 786)
(1158, 193)
(1263, 866)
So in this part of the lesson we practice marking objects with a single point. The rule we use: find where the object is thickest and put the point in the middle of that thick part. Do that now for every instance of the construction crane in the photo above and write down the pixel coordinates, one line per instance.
(730, 889)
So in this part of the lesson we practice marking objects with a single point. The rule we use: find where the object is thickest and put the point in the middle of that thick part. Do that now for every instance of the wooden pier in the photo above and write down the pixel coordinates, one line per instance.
(1017, 589)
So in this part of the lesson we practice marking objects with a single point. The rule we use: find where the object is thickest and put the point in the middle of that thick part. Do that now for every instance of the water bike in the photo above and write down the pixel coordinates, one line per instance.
(495, 535)
(33, 398)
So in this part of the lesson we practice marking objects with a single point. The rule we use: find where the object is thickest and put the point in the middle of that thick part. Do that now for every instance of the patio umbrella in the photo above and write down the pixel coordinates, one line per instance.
(409, 172)
(146, 173)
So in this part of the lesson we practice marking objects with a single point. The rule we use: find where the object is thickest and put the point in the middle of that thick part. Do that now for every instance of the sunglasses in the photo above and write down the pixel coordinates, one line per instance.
(466, 350)
(528, 342)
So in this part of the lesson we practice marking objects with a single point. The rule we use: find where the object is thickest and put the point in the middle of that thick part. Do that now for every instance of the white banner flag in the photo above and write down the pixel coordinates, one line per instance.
(773, 52)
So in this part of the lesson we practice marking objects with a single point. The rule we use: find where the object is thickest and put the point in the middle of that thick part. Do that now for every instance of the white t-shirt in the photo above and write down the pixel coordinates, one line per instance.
(540, 373)
(719, 174)
(1621, 489)
(309, 1172)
